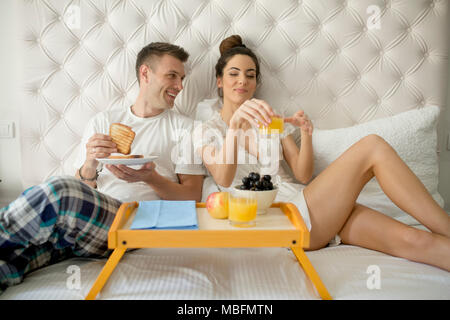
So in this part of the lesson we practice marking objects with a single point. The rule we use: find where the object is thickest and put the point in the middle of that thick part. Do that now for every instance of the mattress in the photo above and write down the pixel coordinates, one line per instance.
(239, 273)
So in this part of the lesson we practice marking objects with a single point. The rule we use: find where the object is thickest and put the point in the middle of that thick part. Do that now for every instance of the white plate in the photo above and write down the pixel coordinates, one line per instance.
(128, 162)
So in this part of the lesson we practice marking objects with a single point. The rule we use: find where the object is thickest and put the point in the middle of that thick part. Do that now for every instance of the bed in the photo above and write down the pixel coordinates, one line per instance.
(356, 67)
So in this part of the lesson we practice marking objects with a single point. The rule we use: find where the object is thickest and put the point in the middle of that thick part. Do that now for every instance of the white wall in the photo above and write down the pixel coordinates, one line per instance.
(10, 164)
(10, 64)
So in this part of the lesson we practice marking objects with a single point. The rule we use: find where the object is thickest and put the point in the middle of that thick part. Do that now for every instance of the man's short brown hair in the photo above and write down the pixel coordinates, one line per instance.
(159, 49)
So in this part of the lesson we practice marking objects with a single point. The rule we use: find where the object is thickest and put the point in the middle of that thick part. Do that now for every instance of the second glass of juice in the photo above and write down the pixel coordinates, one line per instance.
(242, 209)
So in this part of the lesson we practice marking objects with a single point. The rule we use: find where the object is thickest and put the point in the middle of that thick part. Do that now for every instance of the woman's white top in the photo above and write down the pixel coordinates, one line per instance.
(212, 131)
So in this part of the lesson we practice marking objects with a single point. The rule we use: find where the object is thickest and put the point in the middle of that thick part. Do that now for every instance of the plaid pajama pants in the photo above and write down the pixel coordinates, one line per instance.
(50, 222)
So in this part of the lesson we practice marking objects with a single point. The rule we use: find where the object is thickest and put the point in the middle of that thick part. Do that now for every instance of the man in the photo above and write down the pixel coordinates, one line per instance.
(68, 216)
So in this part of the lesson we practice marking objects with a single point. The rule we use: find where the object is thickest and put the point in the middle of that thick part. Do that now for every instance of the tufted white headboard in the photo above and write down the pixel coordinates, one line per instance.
(343, 61)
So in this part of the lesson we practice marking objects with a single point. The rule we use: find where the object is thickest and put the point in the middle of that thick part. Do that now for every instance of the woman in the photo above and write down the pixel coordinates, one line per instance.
(237, 73)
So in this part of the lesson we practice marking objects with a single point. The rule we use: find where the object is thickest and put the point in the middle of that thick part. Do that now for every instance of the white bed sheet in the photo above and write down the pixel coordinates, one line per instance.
(239, 273)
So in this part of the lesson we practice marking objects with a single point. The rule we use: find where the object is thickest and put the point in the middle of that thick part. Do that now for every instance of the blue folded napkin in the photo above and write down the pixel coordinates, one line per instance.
(163, 214)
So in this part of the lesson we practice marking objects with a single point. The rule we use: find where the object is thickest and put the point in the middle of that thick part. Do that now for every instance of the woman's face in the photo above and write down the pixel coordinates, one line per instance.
(239, 79)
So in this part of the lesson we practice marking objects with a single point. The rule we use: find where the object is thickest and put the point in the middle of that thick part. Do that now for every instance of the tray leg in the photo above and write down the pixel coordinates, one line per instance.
(106, 272)
(311, 273)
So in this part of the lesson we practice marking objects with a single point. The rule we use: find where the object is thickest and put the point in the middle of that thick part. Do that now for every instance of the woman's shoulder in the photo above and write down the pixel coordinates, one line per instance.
(215, 123)
(207, 109)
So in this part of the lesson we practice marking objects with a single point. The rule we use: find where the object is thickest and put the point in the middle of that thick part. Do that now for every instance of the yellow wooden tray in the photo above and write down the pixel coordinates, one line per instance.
(281, 226)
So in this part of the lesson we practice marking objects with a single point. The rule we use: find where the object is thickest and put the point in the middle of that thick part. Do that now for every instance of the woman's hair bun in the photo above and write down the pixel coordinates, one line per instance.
(231, 42)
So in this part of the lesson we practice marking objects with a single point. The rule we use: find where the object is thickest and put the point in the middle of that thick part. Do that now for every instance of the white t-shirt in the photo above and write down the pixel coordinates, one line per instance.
(167, 135)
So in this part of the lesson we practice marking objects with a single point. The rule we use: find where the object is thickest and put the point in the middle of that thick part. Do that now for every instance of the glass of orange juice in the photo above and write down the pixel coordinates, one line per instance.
(242, 209)
(269, 146)
(276, 126)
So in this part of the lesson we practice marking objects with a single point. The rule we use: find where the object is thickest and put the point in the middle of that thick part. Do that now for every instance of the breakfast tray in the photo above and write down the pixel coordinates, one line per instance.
(281, 226)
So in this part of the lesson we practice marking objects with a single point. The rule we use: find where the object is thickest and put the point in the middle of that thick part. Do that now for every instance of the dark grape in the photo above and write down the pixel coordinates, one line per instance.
(255, 182)
(246, 181)
(265, 184)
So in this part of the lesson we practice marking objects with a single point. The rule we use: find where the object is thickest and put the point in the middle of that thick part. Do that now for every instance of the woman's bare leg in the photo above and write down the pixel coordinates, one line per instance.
(373, 230)
(331, 197)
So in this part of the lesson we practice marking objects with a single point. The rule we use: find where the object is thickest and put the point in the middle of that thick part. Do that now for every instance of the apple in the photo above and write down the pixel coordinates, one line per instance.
(217, 205)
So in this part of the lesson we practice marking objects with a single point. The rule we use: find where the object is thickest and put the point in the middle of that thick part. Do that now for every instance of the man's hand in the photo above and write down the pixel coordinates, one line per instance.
(99, 146)
(128, 174)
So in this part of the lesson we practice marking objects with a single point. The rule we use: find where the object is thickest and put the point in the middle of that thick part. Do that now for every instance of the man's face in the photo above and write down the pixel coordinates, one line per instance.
(163, 81)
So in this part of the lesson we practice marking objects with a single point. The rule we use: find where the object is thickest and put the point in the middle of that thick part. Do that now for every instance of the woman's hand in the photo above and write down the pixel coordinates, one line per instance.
(252, 113)
(301, 120)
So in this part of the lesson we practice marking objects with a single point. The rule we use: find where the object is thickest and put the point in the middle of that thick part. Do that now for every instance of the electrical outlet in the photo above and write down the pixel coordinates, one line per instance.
(6, 129)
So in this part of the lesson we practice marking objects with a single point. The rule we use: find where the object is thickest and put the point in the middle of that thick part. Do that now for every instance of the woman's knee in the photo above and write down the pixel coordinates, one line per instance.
(375, 148)
(413, 240)
(373, 141)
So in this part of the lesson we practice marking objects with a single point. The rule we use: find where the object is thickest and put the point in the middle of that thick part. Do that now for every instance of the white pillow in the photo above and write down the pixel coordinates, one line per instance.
(412, 134)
